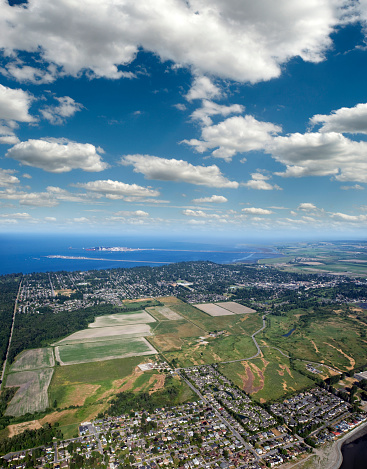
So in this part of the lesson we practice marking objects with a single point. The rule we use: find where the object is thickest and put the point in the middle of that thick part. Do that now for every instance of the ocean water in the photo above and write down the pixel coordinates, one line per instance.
(28, 253)
(355, 454)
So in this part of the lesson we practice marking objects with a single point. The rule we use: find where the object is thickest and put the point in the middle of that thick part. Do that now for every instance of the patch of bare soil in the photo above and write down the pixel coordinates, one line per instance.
(159, 384)
(313, 343)
(248, 380)
(351, 359)
(21, 427)
(80, 394)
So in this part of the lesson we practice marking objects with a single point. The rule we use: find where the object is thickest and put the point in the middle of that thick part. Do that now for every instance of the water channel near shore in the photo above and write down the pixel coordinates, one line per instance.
(355, 453)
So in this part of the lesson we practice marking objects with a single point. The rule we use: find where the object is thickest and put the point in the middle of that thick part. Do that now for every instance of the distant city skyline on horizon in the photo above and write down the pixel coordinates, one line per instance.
(223, 120)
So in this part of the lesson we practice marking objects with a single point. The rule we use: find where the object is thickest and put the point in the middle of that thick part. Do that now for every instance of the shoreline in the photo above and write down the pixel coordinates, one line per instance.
(330, 455)
(335, 459)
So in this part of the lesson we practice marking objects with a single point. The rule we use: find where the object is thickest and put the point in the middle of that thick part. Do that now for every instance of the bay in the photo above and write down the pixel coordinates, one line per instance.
(21, 253)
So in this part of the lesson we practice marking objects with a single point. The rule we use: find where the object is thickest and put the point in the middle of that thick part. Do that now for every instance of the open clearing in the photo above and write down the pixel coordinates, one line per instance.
(165, 313)
(267, 378)
(84, 352)
(18, 428)
(122, 319)
(235, 307)
(34, 359)
(32, 393)
(90, 335)
(213, 310)
(213, 350)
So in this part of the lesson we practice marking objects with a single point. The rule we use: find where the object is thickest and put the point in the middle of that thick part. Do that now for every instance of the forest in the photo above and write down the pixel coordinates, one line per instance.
(30, 439)
(126, 402)
(9, 285)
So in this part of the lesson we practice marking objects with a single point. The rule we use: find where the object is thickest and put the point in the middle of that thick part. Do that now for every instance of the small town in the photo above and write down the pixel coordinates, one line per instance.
(222, 429)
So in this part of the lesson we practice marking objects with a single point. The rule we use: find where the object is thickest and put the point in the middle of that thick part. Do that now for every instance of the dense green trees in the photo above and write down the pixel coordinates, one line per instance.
(9, 285)
(128, 401)
(38, 330)
(29, 439)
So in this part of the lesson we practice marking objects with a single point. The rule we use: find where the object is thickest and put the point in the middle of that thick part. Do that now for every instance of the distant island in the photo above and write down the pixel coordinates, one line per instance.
(113, 249)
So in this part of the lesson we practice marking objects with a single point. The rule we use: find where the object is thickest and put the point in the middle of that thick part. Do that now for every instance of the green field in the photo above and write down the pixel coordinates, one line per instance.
(236, 323)
(216, 350)
(336, 258)
(32, 393)
(34, 359)
(103, 350)
(333, 338)
(268, 378)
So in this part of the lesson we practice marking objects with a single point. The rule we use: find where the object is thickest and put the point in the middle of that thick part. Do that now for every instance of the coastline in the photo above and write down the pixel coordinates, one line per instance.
(330, 456)
(356, 433)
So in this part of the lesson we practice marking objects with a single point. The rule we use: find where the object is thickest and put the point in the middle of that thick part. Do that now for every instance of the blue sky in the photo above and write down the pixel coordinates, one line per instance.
(224, 117)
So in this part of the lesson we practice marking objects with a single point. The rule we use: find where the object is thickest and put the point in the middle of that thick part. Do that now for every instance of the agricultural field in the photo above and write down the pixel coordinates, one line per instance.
(34, 359)
(162, 313)
(122, 319)
(141, 303)
(104, 333)
(233, 323)
(267, 378)
(333, 258)
(32, 393)
(109, 349)
(213, 309)
(235, 308)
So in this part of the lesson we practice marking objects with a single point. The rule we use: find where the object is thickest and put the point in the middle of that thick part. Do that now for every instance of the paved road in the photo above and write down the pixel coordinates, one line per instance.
(255, 342)
(223, 420)
(52, 287)
(11, 335)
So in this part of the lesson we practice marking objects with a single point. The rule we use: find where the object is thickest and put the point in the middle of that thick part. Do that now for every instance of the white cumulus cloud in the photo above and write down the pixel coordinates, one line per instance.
(234, 135)
(345, 120)
(306, 206)
(203, 88)
(245, 41)
(258, 182)
(256, 211)
(164, 169)
(7, 177)
(15, 104)
(216, 199)
(118, 190)
(58, 114)
(128, 213)
(209, 108)
(57, 157)
(321, 154)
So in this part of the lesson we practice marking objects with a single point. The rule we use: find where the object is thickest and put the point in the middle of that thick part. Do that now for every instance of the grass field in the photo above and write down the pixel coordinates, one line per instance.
(93, 385)
(122, 319)
(329, 337)
(34, 359)
(96, 372)
(215, 350)
(266, 378)
(333, 258)
(162, 313)
(32, 393)
(179, 328)
(83, 352)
